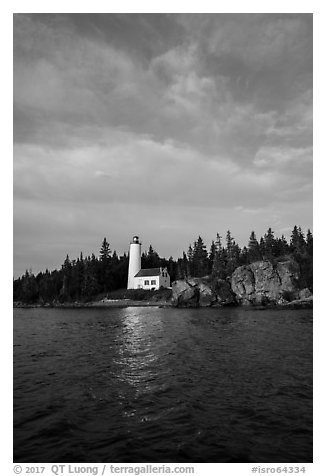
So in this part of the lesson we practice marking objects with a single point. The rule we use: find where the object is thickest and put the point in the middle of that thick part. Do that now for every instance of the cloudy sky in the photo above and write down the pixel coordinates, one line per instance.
(166, 126)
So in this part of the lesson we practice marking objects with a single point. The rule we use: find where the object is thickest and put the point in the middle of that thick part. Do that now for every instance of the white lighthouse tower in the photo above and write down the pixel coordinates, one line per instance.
(134, 261)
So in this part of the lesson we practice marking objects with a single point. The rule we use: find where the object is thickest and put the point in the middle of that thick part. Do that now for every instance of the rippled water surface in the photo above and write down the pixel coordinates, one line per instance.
(162, 385)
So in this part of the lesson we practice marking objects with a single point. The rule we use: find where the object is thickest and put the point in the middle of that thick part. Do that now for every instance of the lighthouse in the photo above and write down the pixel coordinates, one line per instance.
(134, 261)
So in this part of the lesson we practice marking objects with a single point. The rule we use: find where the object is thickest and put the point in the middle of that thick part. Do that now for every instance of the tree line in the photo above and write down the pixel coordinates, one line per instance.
(85, 278)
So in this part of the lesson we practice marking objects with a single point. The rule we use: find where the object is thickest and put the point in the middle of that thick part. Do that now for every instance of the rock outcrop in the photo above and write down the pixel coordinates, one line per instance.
(200, 292)
(184, 294)
(264, 282)
(305, 294)
(259, 283)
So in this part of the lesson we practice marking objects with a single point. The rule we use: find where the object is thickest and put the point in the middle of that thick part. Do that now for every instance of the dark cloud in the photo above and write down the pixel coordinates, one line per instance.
(178, 115)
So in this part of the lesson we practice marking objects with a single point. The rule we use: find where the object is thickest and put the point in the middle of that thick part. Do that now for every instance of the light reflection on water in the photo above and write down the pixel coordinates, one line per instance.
(136, 358)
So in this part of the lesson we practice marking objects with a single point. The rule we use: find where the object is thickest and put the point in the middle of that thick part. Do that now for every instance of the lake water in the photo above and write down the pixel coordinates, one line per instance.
(162, 385)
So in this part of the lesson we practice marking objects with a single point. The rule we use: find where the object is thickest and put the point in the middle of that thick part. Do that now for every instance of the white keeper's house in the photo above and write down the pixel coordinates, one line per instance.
(152, 278)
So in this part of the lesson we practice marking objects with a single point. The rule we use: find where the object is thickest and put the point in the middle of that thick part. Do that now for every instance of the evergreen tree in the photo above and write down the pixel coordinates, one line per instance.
(297, 242)
(152, 259)
(91, 281)
(308, 270)
(179, 270)
(302, 242)
(284, 245)
(79, 277)
(218, 244)
(90, 286)
(66, 281)
(185, 265)
(172, 269)
(262, 247)
(253, 249)
(269, 243)
(219, 261)
(229, 245)
(114, 258)
(280, 247)
(232, 254)
(104, 271)
(309, 242)
(200, 258)
(190, 256)
(211, 256)
(29, 287)
(236, 254)
(105, 251)
(43, 281)
(244, 256)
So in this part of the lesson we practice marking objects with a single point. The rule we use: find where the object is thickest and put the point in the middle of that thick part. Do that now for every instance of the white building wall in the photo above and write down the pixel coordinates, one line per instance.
(134, 263)
(140, 282)
(160, 280)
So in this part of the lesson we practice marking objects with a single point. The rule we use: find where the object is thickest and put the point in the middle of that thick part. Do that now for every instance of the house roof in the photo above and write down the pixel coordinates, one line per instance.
(148, 272)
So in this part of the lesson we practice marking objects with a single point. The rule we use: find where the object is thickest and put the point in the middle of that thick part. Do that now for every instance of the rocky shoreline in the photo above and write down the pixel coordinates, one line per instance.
(262, 285)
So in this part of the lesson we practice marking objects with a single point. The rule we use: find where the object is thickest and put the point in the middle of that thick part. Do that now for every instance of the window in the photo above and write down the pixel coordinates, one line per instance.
(153, 281)
(146, 282)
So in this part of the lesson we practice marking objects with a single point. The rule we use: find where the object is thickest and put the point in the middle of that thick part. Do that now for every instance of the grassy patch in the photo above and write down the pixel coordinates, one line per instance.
(141, 294)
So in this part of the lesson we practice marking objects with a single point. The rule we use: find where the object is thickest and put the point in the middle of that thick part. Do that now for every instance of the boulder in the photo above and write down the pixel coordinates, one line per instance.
(184, 294)
(223, 293)
(267, 282)
(264, 282)
(305, 294)
(243, 284)
(201, 292)
(289, 273)
(206, 293)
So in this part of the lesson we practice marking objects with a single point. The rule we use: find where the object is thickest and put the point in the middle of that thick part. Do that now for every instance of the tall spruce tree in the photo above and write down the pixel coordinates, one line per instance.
(212, 253)
(269, 243)
(309, 241)
(190, 256)
(200, 258)
(219, 262)
(151, 259)
(232, 254)
(105, 251)
(104, 272)
(253, 248)
(30, 287)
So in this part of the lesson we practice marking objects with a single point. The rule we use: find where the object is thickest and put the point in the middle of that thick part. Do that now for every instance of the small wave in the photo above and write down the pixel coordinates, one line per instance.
(167, 385)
